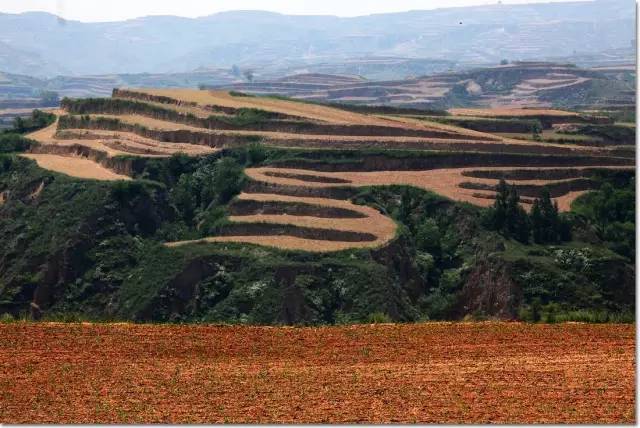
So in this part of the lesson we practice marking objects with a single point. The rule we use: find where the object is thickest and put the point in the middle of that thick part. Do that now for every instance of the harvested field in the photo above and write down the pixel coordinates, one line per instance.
(498, 111)
(75, 167)
(487, 372)
(283, 196)
(292, 204)
(222, 98)
(162, 130)
(332, 223)
(58, 150)
(444, 181)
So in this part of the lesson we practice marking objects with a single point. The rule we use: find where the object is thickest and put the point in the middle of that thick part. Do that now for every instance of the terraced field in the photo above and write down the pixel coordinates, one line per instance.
(305, 203)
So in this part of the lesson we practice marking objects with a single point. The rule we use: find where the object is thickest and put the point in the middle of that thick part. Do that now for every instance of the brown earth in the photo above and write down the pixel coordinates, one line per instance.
(488, 372)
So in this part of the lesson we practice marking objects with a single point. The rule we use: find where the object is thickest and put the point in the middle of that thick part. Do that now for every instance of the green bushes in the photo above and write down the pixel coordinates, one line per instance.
(554, 313)
(547, 225)
(379, 318)
(440, 264)
(492, 125)
(611, 211)
(617, 134)
(12, 142)
(38, 119)
(247, 117)
(242, 117)
(124, 190)
(210, 185)
(544, 223)
(240, 94)
(507, 216)
(227, 179)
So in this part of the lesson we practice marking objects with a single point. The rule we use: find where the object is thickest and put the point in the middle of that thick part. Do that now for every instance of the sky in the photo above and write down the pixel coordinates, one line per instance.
(116, 10)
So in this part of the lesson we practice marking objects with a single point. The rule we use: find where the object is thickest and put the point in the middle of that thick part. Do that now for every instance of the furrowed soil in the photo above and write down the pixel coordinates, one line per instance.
(430, 373)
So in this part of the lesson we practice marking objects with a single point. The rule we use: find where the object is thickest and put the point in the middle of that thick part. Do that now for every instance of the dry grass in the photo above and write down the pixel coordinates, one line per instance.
(430, 373)
(75, 167)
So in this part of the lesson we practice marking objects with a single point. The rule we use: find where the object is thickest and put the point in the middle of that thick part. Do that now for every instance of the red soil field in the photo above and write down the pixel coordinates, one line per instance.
(432, 372)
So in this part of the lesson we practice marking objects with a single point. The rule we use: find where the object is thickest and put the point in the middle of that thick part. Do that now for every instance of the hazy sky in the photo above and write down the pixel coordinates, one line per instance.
(112, 10)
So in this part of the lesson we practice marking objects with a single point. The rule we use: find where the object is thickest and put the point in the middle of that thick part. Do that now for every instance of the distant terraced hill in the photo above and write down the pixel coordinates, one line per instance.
(303, 201)
(519, 84)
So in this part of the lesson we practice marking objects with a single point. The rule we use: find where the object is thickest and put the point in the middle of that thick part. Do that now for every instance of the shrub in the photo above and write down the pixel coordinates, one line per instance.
(38, 119)
(240, 94)
(6, 318)
(379, 318)
(228, 179)
(256, 154)
(126, 190)
(13, 142)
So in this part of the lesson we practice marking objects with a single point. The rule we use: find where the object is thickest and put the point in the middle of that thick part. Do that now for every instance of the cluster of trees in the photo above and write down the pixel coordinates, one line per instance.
(544, 223)
(38, 119)
(211, 185)
(12, 140)
(611, 212)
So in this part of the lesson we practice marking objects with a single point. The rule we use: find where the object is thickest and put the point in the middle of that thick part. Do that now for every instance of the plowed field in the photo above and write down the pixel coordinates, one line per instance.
(439, 372)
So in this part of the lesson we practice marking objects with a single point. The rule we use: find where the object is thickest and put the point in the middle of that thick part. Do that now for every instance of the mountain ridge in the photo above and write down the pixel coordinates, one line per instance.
(258, 38)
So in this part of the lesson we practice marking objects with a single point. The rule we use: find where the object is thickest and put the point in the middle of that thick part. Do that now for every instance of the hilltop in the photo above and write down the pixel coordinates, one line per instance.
(45, 45)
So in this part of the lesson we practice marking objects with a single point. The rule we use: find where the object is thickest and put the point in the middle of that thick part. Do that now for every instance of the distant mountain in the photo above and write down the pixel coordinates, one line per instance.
(44, 45)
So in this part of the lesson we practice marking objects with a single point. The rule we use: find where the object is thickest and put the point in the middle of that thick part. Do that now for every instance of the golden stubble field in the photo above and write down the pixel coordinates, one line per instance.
(433, 372)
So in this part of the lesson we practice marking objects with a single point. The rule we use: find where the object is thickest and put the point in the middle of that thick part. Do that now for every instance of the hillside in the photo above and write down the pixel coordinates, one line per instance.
(176, 204)
(45, 45)
(525, 84)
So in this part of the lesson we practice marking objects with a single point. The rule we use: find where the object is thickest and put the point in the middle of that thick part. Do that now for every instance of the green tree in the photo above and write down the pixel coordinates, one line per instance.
(429, 238)
(517, 220)
(500, 205)
(227, 179)
(404, 211)
(546, 223)
(508, 217)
